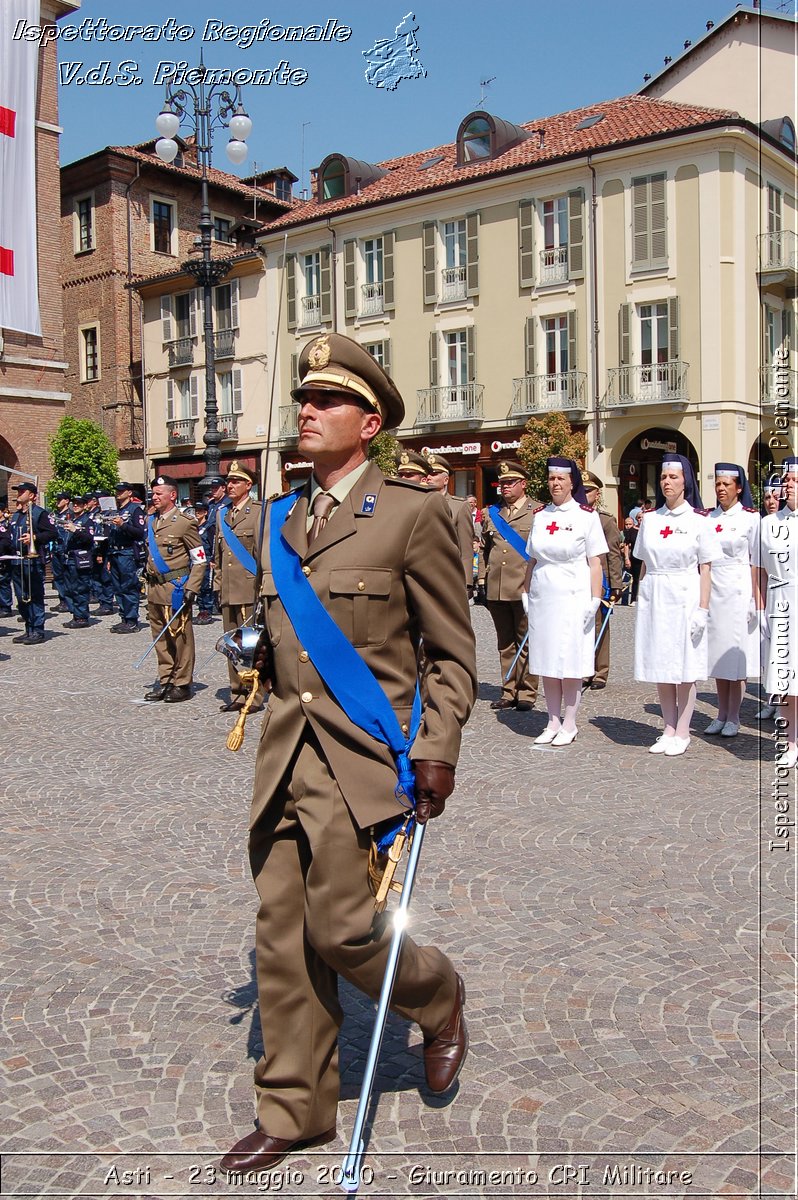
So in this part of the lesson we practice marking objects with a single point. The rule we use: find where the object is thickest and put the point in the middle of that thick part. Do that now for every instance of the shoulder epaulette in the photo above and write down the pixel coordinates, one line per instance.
(407, 483)
(747, 509)
(703, 512)
(585, 508)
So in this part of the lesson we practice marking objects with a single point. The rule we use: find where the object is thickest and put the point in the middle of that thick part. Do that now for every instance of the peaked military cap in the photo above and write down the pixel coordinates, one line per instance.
(216, 482)
(122, 486)
(164, 481)
(437, 463)
(236, 471)
(591, 481)
(335, 363)
(63, 496)
(509, 470)
(408, 462)
(26, 486)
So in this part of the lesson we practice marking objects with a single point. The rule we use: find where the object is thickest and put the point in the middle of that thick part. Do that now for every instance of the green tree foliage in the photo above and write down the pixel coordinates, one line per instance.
(546, 437)
(83, 459)
(383, 451)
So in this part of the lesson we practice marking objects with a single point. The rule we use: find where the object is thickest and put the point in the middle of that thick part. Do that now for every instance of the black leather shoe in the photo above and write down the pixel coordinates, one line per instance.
(445, 1053)
(523, 706)
(203, 618)
(156, 693)
(35, 638)
(77, 623)
(503, 704)
(105, 610)
(6, 612)
(234, 705)
(125, 627)
(59, 608)
(175, 693)
(21, 639)
(597, 685)
(259, 1151)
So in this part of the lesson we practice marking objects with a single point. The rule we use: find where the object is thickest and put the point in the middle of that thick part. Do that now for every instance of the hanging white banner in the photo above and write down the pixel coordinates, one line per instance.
(19, 284)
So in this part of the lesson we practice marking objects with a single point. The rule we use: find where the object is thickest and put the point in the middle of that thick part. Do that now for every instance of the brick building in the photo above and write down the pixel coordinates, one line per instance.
(127, 216)
(33, 392)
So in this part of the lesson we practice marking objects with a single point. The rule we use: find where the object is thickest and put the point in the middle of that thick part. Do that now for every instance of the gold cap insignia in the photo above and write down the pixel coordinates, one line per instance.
(404, 459)
(431, 459)
(503, 468)
(319, 353)
(585, 477)
(233, 467)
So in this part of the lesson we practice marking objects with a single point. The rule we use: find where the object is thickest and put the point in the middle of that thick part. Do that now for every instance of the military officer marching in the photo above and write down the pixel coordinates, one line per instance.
(235, 559)
(174, 574)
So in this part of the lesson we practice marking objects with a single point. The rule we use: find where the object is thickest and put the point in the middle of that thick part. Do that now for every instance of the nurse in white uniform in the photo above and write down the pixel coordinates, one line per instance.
(778, 590)
(676, 548)
(562, 593)
(771, 502)
(733, 628)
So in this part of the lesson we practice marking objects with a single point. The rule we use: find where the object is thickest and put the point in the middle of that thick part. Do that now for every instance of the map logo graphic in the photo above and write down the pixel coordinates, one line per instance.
(390, 60)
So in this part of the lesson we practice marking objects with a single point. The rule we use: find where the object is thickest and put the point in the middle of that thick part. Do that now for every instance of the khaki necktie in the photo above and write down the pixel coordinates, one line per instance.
(322, 507)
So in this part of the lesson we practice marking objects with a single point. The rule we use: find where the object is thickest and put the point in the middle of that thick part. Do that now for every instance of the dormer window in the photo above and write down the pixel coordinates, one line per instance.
(482, 136)
(781, 130)
(333, 180)
(339, 176)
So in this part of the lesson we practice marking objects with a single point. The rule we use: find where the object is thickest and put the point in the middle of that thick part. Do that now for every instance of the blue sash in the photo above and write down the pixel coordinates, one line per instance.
(348, 678)
(237, 546)
(160, 562)
(508, 533)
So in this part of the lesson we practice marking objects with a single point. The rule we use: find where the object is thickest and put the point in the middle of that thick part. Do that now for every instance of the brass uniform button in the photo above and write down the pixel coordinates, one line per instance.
(304, 656)
(361, 587)
(307, 697)
(306, 570)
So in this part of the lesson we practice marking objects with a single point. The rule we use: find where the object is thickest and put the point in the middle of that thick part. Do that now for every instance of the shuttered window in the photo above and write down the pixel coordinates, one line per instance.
(529, 345)
(326, 283)
(649, 222)
(576, 239)
(350, 282)
(428, 236)
(290, 290)
(526, 244)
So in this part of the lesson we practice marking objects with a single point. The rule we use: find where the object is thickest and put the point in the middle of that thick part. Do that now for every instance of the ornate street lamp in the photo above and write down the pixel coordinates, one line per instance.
(205, 109)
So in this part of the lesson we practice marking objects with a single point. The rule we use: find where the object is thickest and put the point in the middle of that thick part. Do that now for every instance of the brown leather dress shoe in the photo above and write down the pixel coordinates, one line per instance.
(523, 706)
(502, 704)
(259, 1150)
(445, 1053)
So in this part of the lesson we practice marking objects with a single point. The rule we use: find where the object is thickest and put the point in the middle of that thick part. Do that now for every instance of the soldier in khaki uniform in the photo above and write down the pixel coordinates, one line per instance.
(234, 582)
(411, 466)
(178, 542)
(438, 478)
(502, 569)
(612, 570)
(365, 543)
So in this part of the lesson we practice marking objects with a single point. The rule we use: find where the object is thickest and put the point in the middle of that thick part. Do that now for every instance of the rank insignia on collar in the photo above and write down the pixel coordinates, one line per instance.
(368, 505)
(319, 353)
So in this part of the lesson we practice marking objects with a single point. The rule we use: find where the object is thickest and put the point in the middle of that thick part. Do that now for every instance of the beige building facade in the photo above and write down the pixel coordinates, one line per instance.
(631, 264)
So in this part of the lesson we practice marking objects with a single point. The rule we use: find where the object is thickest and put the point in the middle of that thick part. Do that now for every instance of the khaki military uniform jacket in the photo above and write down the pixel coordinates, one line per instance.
(612, 563)
(233, 583)
(176, 537)
(464, 530)
(500, 564)
(387, 569)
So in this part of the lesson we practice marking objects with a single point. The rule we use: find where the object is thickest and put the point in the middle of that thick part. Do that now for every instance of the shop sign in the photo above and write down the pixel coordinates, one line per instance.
(465, 448)
(298, 466)
(647, 444)
(497, 447)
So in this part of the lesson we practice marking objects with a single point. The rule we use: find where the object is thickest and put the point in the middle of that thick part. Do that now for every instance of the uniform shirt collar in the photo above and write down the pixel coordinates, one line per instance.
(339, 491)
(679, 511)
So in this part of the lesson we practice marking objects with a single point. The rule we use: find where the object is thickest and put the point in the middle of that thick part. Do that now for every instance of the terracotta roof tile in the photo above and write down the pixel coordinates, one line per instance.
(625, 120)
(215, 177)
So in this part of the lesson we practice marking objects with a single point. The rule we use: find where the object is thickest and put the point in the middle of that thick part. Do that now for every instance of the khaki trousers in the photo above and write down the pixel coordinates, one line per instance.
(509, 619)
(316, 921)
(175, 651)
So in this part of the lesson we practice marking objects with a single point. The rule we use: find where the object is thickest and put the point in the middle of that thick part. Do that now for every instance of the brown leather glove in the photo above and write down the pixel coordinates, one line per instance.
(263, 660)
(434, 785)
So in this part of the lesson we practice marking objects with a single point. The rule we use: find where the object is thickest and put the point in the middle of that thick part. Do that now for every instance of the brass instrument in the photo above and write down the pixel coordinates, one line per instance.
(32, 551)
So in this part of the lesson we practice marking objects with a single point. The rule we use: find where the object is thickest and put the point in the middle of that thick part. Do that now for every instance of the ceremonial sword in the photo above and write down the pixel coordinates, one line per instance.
(152, 646)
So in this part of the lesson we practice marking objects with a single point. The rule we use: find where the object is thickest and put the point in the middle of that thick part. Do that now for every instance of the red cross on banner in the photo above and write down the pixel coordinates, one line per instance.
(8, 121)
(552, 528)
(666, 531)
(6, 261)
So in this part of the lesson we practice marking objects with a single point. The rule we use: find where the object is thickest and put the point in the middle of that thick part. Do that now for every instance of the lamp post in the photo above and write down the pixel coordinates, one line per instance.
(204, 109)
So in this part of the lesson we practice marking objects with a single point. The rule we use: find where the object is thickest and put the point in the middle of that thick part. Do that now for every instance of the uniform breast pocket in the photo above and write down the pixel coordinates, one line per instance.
(274, 609)
(360, 600)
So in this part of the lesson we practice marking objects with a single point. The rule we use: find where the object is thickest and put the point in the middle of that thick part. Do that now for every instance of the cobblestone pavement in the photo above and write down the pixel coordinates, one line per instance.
(619, 918)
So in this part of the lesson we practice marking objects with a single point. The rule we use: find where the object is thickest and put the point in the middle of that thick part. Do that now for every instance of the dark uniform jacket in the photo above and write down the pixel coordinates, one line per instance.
(387, 569)
(44, 531)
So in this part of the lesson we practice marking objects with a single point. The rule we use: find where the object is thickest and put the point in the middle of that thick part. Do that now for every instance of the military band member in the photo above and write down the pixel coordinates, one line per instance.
(6, 595)
(126, 549)
(207, 599)
(612, 581)
(502, 566)
(58, 558)
(32, 530)
(80, 531)
(101, 587)
(365, 543)
(236, 539)
(174, 571)
(438, 478)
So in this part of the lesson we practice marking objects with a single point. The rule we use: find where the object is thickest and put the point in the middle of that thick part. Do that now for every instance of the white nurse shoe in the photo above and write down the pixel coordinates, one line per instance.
(677, 746)
(661, 744)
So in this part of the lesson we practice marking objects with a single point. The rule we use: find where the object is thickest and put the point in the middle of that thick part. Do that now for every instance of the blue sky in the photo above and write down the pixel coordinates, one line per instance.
(545, 56)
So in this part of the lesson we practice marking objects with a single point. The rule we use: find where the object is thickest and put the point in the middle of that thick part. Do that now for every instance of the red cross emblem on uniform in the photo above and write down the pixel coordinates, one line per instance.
(552, 528)
(666, 532)
(718, 529)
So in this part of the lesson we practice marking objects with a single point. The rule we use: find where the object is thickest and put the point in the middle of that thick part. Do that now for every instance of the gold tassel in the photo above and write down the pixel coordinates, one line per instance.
(235, 738)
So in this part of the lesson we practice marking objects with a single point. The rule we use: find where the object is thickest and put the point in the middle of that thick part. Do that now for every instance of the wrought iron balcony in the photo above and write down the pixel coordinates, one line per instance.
(664, 382)
(311, 310)
(182, 433)
(554, 265)
(181, 352)
(778, 251)
(289, 414)
(779, 387)
(455, 402)
(224, 343)
(371, 299)
(453, 284)
(228, 426)
(563, 392)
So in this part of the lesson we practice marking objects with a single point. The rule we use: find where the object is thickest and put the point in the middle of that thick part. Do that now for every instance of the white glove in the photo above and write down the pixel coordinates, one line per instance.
(590, 614)
(525, 602)
(753, 619)
(764, 623)
(698, 625)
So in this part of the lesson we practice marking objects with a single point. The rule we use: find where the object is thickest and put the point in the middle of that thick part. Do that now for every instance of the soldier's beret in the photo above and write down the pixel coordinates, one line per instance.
(26, 486)
(335, 363)
(509, 470)
(164, 481)
(236, 471)
(437, 463)
(591, 481)
(408, 462)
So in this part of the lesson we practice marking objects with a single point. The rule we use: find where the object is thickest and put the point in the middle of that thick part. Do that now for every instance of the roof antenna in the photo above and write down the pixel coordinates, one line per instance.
(484, 83)
(255, 189)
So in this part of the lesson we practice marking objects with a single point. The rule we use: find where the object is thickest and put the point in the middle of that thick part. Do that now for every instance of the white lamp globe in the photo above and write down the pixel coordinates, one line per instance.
(236, 151)
(240, 127)
(166, 149)
(167, 124)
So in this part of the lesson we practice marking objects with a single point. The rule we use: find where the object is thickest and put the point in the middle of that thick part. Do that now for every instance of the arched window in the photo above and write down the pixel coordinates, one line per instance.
(333, 180)
(476, 140)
